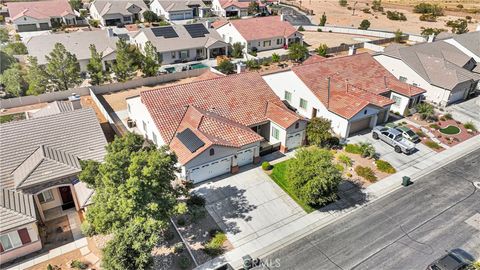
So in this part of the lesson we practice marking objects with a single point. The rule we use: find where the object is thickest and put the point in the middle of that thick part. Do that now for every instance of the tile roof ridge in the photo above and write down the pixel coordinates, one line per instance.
(26, 158)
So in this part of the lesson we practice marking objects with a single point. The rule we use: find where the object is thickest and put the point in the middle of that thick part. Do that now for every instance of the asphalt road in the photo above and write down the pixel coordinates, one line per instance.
(407, 229)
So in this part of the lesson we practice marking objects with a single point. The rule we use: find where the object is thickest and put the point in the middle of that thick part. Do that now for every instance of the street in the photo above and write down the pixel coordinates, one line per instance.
(407, 229)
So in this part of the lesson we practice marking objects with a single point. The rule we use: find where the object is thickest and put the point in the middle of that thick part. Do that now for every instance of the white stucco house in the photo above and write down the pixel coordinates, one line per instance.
(217, 125)
(260, 33)
(41, 15)
(77, 43)
(446, 73)
(114, 12)
(354, 92)
(179, 10)
(234, 8)
(182, 43)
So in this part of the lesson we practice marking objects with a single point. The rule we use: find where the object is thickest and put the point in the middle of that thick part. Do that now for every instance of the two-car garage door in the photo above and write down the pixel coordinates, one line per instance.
(210, 170)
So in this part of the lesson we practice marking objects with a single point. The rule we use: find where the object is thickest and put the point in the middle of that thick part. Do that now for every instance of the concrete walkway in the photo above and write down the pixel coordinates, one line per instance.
(288, 233)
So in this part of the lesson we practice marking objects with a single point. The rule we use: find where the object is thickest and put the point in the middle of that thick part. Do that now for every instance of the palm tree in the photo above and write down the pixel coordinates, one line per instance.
(426, 111)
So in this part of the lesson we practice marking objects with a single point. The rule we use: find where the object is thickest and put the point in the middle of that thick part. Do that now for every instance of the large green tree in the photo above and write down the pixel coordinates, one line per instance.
(237, 50)
(364, 25)
(36, 77)
(297, 52)
(150, 16)
(253, 8)
(63, 69)
(151, 61)
(3, 34)
(13, 80)
(15, 48)
(125, 65)
(318, 131)
(313, 176)
(6, 61)
(95, 67)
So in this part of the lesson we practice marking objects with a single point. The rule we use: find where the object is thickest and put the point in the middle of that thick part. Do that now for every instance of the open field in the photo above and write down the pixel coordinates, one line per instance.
(341, 16)
(314, 39)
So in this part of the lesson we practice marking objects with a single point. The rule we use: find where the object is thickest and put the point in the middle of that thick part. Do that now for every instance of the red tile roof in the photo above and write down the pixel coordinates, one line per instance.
(263, 28)
(219, 23)
(224, 103)
(39, 9)
(239, 4)
(314, 59)
(207, 75)
(355, 82)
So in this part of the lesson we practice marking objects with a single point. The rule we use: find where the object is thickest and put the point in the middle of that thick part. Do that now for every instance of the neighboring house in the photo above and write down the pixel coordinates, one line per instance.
(114, 12)
(39, 168)
(179, 10)
(468, 43)
(182, 43)
(354, 92)
(260, 33)
(446, 73)
(217, 125)
(234, 8)
(40, 15)
(77, 43)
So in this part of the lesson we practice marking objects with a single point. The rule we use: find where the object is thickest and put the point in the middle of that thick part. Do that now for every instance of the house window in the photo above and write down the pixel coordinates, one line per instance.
(127, 18)
(288, 96)
(397, 100)
(403, 79)
(279, 41)
(230, 39)
(144, 126)
(303, 104)
(267, 43)
(259, 44)
(174, 54)
(275, 133)
(297, 125)
(128, 108)
(46, 196)
(414, 84)
(10, 240)
(212, 152)
(154, 138)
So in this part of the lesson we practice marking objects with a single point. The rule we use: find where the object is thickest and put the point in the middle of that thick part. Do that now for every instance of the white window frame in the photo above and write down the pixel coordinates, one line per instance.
(305, 103)
(402, 79)
(288, 96)
(275, 133)
(397, 99)
(46, 196)
(14, 240)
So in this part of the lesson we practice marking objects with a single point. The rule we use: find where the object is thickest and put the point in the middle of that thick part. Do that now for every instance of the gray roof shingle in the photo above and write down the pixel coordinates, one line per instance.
(105, 7)
(16, 209)
(53, 108)
(471, 41)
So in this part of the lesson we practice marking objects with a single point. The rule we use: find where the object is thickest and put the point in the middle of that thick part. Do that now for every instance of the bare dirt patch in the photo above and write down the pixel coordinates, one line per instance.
(314, 39)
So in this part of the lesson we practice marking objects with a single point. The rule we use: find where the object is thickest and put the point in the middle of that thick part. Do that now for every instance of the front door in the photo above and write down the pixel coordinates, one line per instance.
(67, 198)
(314, 113)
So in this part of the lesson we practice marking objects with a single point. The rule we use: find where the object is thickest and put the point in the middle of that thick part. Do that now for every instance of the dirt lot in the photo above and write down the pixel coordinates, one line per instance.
(117, 100)
(314, 39)
(341, 16)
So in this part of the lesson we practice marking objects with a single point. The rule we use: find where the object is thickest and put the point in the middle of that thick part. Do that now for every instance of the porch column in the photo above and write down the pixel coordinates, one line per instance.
(75, 199)
(208, 53)
(39, 207)
(387, 113)
(226, 50)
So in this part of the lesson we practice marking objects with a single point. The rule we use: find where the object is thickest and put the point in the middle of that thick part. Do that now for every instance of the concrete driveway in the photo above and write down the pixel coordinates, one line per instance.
(248, 204)
(387, 153)
(294, 17)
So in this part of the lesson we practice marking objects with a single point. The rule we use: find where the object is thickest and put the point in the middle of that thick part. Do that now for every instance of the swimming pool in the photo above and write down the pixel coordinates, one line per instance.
(197, 66)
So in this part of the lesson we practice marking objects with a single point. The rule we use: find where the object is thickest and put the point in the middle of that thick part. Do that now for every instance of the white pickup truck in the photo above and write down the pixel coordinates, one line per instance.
(394, 138)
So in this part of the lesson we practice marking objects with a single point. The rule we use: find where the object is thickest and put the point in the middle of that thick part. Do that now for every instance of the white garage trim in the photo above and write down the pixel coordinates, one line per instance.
(210, 170)
(245, 157)
(456, 96)
(294, 140)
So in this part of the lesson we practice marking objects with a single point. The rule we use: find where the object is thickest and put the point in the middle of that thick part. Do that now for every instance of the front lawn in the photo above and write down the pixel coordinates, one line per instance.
(278, 176)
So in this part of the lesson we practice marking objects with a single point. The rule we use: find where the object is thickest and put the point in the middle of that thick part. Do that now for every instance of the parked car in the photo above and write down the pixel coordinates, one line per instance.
(394, 138)
(406, 132)
(451, 261)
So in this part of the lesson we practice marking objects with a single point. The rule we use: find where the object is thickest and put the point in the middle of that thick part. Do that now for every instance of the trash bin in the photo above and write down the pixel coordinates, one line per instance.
(406, 181)
(247, 262)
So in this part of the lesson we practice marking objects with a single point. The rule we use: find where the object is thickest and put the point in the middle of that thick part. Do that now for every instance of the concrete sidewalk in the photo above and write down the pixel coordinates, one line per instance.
(303, 226)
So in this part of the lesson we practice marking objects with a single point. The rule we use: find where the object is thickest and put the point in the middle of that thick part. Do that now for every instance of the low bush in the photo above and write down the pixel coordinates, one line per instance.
(432, 144)
(340, 167)
(266, 166)
(353, 148)
(366, 10)
(349, 175)
(178, 247)
(168, 234)
(252, 64)
(448, 116)
(470, 125)
(184, 262)
(196, 213)
(396, 16)
(366, 172)
(196, 200)
(428, 18)
(384, 166)
(300, 29)
(368, 151)
(213, 232)
(214, 246)
(78, 265)
(181, 221)
(434, 126)
(87, 228)
(421, 134)
(94, 23)
(345, 160)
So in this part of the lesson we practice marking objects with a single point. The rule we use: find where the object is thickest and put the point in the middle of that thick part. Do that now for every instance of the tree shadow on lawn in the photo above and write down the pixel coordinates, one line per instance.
(350, 194)
(225, 204)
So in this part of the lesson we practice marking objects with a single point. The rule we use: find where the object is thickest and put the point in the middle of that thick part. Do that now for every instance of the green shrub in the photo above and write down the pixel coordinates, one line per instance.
(368, 151)
(94, 23)
(340, 167)
(434, 126)
(168, 234)
(421, 134)
(214, 246)
(196, 213)
(432, 144)
(252, 64)
(78, 265)
(300, 29)
(345, 160)
(275, 58)
(384, 166)
(448, 116)
(366, 172)
(428, 18)
(184, 262)
(226, 67)
(470, 125)
(353, 148)
(396, 16)
(349, 175)
(196, 200)
(342, 3)
(266, 166)
(181, 221)
(178, 247)
(213, 232)
(87, 228)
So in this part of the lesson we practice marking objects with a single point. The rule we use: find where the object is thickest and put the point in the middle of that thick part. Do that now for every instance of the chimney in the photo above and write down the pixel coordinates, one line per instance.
(207, 24)
(282, 18)
(240, 67)
(328, 93)
(75, 100)
(352, 50)
(110, 32)
(431, 38)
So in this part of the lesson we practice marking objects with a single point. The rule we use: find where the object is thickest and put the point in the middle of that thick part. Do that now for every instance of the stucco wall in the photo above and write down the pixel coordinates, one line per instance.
(138, 112)
(26, 249)
(57, 200)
